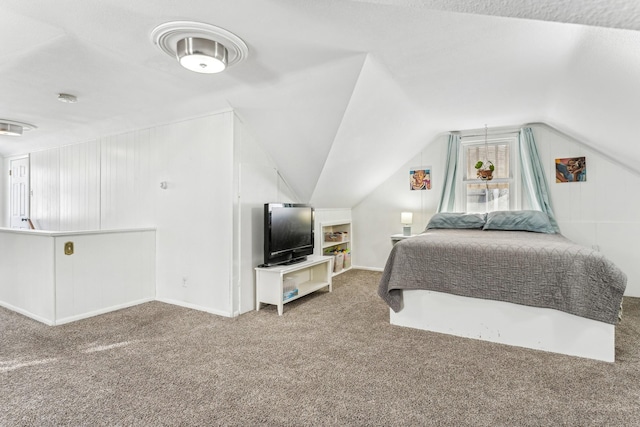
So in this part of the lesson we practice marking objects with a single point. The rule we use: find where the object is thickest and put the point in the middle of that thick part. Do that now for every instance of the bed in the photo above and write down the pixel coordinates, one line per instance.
(505, 277)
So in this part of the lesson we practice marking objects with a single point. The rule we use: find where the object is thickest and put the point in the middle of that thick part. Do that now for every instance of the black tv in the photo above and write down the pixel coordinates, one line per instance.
(288, 233)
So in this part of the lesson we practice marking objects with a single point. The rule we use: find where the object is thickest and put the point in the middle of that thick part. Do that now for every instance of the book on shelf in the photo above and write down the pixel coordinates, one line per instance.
(290, 294)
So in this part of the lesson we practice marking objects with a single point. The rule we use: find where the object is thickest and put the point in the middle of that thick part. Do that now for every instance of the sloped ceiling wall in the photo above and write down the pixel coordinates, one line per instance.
(340, 93)
(296, 120)
(475, 71)
(378, 121)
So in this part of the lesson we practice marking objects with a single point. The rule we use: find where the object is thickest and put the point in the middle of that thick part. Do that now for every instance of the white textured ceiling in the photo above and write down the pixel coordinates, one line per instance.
(622, 14)
(331, 88)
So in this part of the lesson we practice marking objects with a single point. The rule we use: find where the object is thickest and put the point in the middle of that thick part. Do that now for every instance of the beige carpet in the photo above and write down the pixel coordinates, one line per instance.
(332, 359)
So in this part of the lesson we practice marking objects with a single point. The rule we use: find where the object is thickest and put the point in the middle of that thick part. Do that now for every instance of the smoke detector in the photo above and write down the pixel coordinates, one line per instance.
(67, 98)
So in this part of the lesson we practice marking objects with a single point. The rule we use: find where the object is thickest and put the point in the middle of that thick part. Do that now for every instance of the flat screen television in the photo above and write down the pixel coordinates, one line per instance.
(288, 233)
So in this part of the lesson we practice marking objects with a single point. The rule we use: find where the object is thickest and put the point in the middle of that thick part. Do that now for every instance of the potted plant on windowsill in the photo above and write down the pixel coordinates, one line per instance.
(485, 170)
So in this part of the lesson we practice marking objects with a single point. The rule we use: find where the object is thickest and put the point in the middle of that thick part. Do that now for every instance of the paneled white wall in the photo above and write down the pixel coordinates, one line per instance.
(107, 271)
(3, 200)
(114, 182)
(128, 184)
(194, 215)
(601, 212)
(27, 286)
(45, 189)
(80, 186)
(377, 217)
(104, 184)
(208, 220)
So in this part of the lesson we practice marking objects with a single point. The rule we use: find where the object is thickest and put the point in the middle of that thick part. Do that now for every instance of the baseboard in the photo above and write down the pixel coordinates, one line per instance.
(70, 319)
(74, 318)
(359, 267)
(194, 307)
(27, 313)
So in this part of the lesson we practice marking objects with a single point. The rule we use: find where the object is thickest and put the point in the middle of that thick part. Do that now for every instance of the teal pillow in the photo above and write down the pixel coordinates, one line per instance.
(536, 221)
(456, 220)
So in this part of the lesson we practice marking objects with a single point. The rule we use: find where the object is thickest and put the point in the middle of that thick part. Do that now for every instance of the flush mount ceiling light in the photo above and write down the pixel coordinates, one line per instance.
(199, 47)
(13, 128)
(201, 55)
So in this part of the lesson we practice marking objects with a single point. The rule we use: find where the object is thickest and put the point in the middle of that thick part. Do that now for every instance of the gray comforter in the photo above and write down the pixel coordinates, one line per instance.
(534, 269)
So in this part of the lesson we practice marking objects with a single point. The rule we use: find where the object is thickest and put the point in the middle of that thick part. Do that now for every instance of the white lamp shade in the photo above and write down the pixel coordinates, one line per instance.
(406, 218)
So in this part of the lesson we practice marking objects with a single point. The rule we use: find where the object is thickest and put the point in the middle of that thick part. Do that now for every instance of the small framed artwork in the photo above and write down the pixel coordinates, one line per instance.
(420, 178)
(571, 169)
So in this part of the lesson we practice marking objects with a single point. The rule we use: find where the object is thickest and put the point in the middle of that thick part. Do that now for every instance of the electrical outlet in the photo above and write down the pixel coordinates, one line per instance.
(184, 282)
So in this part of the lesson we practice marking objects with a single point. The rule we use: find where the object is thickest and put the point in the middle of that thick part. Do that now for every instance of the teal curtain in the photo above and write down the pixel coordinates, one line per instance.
(448, 196)
(534, 180)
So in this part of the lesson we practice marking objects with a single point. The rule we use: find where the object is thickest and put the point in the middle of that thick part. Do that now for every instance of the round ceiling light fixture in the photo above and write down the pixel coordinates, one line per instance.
(200, 47)
(201, 55)
(13, 128)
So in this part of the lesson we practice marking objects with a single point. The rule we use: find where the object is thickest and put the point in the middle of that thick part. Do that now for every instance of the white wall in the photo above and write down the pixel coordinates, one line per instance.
(106, 272)
(600, 212)
(377, 217)
(209, 220)
(80, 186)
(194, 215)
(114, 182)
(3, 191)
(45, 189)
(27, 263)
(258, 183)
(103, 184)
(65, 185)
(129, 184)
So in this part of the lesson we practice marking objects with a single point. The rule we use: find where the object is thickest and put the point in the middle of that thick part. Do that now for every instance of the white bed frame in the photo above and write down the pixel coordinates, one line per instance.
(507, 323)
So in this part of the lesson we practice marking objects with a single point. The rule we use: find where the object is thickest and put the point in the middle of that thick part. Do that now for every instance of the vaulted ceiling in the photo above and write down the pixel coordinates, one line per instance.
(333, 88)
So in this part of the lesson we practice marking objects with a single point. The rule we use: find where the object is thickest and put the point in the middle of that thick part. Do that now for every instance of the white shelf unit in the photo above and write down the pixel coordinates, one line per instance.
(343, 227)
(308, 276)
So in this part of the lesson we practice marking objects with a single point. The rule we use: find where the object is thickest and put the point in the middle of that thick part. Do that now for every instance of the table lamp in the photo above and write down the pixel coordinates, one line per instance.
(406, 218)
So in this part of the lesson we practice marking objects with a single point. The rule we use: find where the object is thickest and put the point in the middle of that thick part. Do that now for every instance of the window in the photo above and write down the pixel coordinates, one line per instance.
(499, 193)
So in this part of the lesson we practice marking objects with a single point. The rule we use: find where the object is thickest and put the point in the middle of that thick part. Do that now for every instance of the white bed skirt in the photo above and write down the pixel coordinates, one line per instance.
(507, 323)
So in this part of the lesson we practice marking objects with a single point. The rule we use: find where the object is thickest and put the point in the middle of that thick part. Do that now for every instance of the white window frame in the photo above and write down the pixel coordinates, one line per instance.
(514, 178)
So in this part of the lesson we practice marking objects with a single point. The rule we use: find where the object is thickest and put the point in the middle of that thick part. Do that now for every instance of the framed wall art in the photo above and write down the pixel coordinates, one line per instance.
(571, 169)
(420, 178)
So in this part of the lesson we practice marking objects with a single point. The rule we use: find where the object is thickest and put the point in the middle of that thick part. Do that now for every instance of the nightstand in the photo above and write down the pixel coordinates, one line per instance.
(395, 238)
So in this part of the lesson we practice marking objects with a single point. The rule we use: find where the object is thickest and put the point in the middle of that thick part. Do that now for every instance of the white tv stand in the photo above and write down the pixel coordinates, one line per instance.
(309, 276)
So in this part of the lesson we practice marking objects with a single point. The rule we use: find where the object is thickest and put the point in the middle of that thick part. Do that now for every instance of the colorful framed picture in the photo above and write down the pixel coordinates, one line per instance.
(571, 169)
(420, 178)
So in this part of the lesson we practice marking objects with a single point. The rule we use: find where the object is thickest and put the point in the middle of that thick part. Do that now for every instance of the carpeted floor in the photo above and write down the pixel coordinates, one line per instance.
(331, 359)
